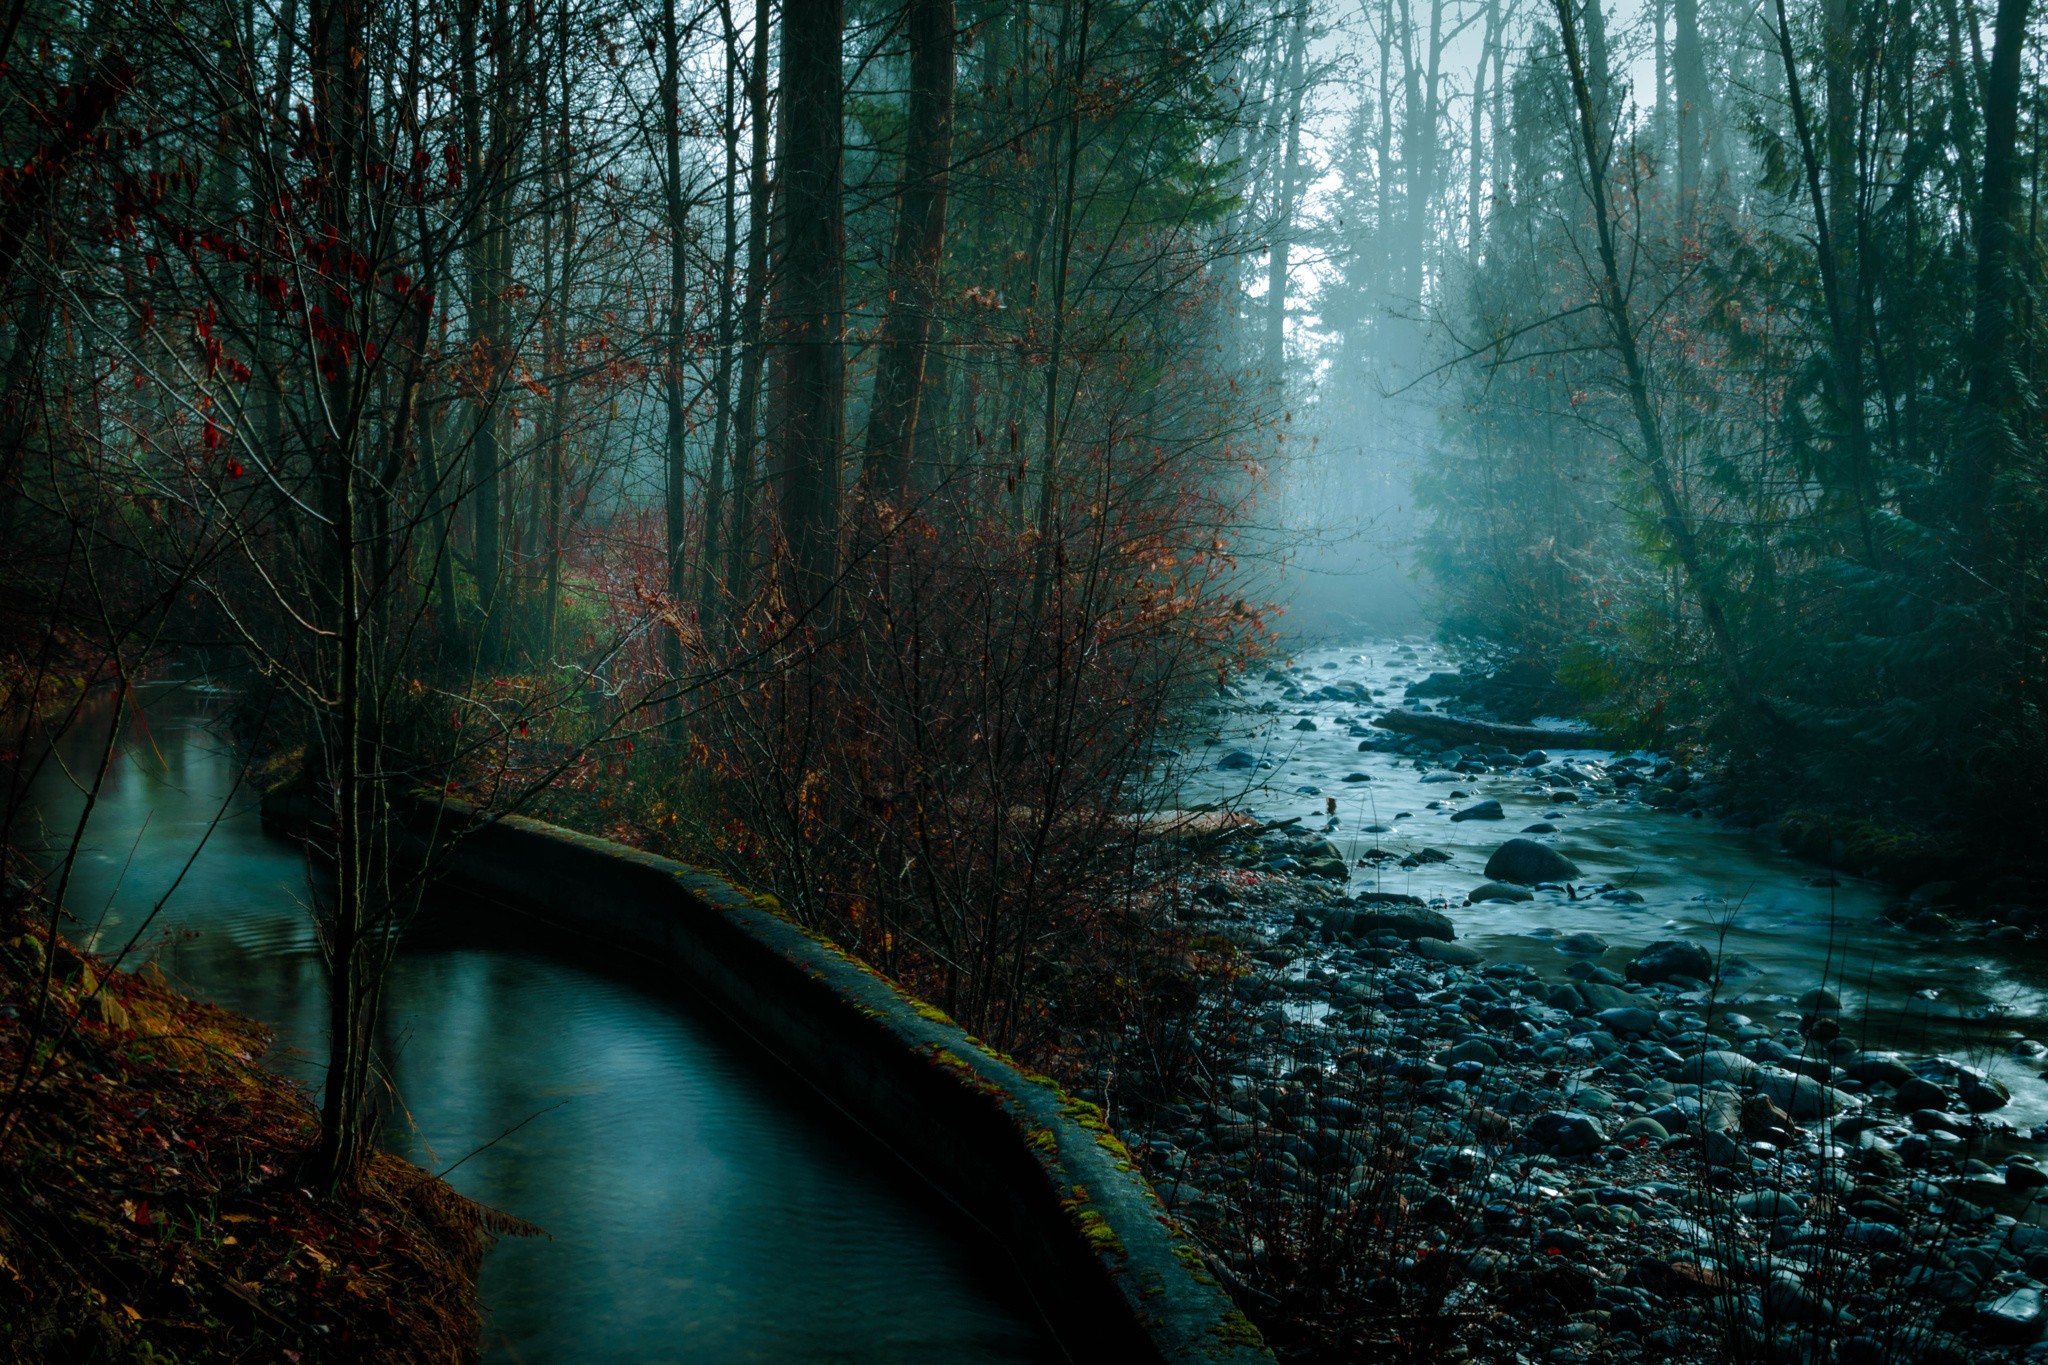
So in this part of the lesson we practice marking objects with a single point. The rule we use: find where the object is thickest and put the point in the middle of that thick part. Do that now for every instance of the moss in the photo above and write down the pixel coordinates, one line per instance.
(1903, 857)
(1236, 1330)
(933, 1014)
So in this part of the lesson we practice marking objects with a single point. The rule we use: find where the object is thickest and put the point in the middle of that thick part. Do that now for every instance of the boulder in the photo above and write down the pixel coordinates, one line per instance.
(1483, 810)
(1670, 958)
(1882, 1067)
(1802, 1097)
(1916, 1092)
(1408, 922)
(1566, 1132)
(1527, 862)
(1450, 954)
(1498, 891)
(1238, 759)
(1980, 1092)
(1583, 945)
(1628, 1019)
(1708, 1067)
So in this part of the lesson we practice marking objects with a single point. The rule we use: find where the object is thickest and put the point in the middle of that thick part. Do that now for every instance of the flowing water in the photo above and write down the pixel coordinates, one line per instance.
(1778, 926)
(700, 1209)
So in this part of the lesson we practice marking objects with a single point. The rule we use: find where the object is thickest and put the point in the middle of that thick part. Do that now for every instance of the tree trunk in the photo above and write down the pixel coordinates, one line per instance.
(740, 549)
(808, 313)
(1689, 89)
(915, 254)
(676, 342)
(711, 558)
(1987, 437)
(1292, 91)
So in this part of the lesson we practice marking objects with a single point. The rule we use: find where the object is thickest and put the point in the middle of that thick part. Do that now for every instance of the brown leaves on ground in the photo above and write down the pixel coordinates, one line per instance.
(150, 1199)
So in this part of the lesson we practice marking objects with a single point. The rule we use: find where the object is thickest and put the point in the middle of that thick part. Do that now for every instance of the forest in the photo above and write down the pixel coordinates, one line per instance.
(1019, 493)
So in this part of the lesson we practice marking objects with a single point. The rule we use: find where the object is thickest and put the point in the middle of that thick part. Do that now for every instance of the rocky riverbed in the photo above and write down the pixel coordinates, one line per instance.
(1592, 1165)
(1526, 1056)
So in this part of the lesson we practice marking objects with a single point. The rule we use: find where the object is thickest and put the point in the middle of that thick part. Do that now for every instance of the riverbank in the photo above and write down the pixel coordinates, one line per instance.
(150, 1199)
(1417, 1149)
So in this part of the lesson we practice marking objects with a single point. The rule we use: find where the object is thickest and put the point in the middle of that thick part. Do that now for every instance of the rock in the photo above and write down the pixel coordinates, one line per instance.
(1541, 827)
(1565, 1132)
(103, 1008)
(1484, 810)
(1238, 759)
(1324, 859)
(1644, 1127)
(2024, 1175)
(1670, 958)
(1527, 862)
(1304, 724)
(1819, 998)
(1917, 1093)
(1630, 1019)
(2016, 1315)
(1409, 923)
(1732, 1067)
(1474, 1050)
(1498, 891)
(1583, 945)
(1450, 954)
(1980, 1092)
(1883, 1067)
(1802, 1097)
(1765, 1204)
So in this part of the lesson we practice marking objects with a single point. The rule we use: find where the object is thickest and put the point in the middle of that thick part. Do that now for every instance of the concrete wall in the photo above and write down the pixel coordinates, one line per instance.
(1115, 1277)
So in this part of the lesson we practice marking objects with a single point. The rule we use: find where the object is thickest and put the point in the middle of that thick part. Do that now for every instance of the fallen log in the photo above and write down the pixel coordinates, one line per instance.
(1520, 738)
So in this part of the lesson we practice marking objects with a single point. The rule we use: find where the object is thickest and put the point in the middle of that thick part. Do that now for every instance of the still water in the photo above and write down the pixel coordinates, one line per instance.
(699, 1209)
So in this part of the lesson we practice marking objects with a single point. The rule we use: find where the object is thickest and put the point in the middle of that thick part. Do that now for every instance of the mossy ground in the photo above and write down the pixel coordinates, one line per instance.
(152, 1206)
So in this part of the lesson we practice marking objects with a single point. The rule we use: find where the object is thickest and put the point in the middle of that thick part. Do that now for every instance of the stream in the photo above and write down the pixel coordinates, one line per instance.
(699, 1206)
(1777, 924)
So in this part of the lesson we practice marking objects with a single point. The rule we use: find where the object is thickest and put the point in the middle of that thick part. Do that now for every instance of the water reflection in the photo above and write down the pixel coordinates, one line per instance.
(699, 1211)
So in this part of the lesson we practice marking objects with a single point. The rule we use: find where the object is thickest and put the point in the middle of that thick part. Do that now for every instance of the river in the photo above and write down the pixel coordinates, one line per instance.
(1778, 925)
(699, 1207)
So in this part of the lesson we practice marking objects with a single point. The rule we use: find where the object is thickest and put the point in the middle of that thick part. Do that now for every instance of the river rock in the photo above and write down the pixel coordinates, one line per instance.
(2016, 1315)
(1583, 945)
(1881, 1067)
(1450, 954)
(1483, 810)
(1670, 958)
(1304, 724)
(1980, 1092)
(1820, 998)
(1238, 759)
(1498, 891)
(1708, 1067)
(1627, 1019)
(1527, 862)
(1408, 922)
(1324, 859)
(1802, 1097)
(1565, 1132)
(1916, 1092)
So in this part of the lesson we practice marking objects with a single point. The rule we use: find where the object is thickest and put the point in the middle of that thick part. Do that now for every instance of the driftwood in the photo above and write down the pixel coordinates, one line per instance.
(1520, 738)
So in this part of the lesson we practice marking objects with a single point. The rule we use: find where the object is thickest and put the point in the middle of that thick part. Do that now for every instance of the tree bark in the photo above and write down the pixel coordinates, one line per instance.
(807, 321)
(1987, 435)
(915, 254)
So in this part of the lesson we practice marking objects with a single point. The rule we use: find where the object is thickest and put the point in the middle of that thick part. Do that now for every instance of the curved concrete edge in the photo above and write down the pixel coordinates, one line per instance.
(1113, 1272)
